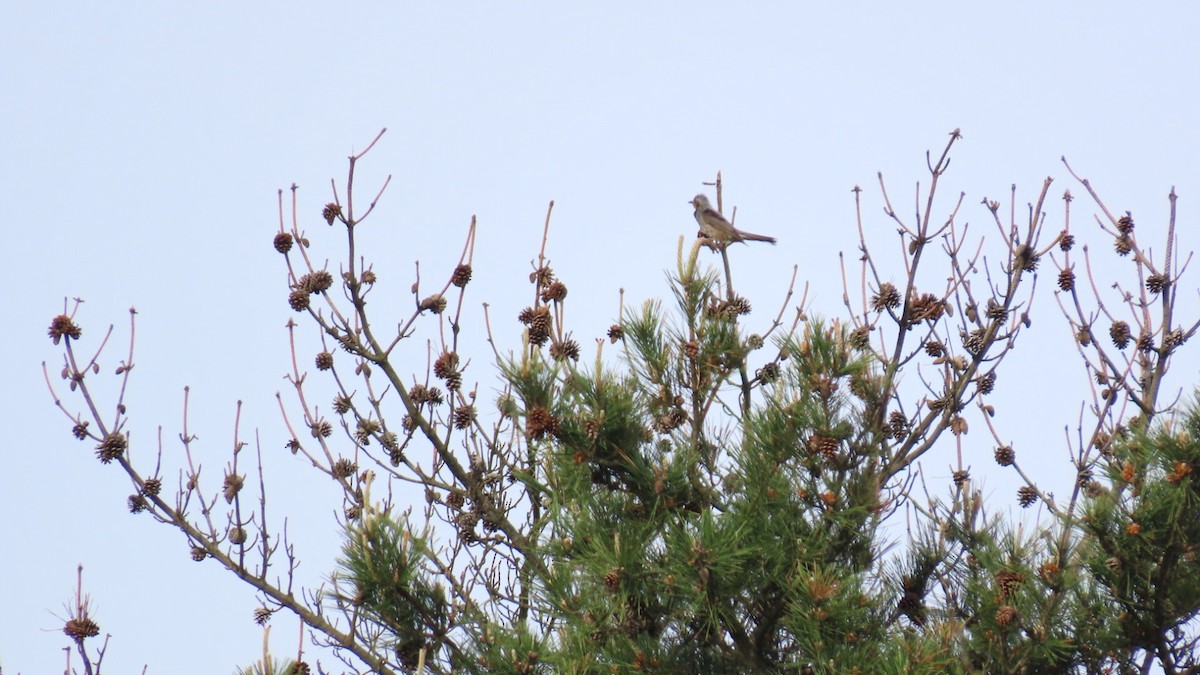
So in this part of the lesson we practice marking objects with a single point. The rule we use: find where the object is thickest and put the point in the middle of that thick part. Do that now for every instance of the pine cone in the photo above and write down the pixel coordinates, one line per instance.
(112, 447)
(555, 292)
(1005, 615)
(1120, 334)
(1026, 496)
(1008, 583)
(81, 627)
(1155, 283)
(283, 242)
(461, 275)
(62, 325)
(1066, 241)
(344, 468)
(612, 580)
(445, 364)
(298, 299)
(986, 382)
(886, 298)
(1066, 279)
(934, 348)
(1125, 223)
(464, 416)
(825, 446)
(1005, 455)
(331, 212)
(324, 361)
(768, 373)
(897, 425)
(561, 350)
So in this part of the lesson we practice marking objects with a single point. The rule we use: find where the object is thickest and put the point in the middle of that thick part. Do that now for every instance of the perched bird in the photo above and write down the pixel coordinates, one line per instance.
(718, 229)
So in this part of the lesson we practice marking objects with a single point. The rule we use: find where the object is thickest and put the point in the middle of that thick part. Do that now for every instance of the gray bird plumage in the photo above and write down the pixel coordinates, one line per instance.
(715, 227)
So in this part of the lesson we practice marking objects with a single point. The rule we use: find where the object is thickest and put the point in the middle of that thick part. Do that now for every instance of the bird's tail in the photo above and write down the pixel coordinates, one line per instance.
(750, 236)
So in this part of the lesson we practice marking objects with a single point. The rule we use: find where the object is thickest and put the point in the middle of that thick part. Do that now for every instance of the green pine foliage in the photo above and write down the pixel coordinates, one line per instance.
(686, 536)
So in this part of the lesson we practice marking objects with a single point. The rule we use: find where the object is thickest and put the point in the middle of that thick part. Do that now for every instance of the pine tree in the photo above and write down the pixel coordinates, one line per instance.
(709, 492)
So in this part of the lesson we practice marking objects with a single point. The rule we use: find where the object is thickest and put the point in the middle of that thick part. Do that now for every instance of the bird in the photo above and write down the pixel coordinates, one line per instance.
(715, 227)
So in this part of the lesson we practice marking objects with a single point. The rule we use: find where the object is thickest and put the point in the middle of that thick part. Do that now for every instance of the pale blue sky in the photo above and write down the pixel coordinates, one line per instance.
(141, 145)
